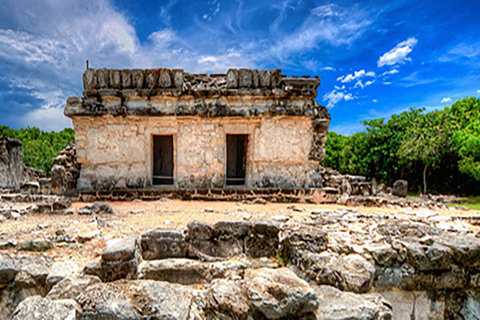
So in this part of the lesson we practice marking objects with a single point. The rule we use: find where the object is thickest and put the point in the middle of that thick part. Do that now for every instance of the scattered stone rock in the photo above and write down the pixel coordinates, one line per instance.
(338, 305)
(163, 244)
(349, 273)
(228, 299)
(59, 271)
(135, 300)
(262, 240)
(83, 238)
(7, 244)
(36, 245)
(279, 293)
(36, 307)
(8, 271)
(400, 188)
(120, 249)
(72, 286)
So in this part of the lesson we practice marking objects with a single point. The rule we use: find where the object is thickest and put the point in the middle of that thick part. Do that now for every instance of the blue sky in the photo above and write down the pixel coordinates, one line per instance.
(376, 58)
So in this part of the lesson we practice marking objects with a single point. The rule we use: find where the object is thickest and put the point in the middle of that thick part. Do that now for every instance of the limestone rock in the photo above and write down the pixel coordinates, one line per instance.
(349, 273)
(262, 240)
(400, 188)
(36, 245)
(132, 300)
(120, 249)
(120, 260)
(279, 293)
(7, 269)
(334, 304)
(33, 271)
(37, 308)
(223, 240)
(59, 271)
(227, 298)
(162, 244)
(72, 286)
(187, 271)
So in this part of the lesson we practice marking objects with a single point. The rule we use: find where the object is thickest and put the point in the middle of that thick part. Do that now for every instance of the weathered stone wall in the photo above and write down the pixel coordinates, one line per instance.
(121, 110)
(11, 162)
(117, 152)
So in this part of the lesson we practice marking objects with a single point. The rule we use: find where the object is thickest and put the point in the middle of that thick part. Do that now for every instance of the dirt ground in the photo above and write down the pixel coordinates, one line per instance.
(137, 217)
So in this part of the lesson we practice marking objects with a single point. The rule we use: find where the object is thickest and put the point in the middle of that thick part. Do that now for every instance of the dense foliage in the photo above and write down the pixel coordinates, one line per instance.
(437, 151)
(39, 147)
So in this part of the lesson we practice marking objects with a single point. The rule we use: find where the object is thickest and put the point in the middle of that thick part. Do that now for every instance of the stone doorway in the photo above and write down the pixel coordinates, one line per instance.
(236, 159)
(163, 160)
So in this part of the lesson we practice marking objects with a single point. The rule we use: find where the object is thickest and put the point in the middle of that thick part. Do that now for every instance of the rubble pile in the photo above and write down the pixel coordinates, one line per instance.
(65, 171)
(327, 264)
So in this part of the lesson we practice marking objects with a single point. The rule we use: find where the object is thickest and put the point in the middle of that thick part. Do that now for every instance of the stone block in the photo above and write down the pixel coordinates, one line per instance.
(232, 79)
(127, 82)
(262, 240)
(137, 78)
(178, 78)
(265, 79)
(103, 78)
(163, 244)
(115, 79)
(90, 79)
(245, 78)
(165, 78)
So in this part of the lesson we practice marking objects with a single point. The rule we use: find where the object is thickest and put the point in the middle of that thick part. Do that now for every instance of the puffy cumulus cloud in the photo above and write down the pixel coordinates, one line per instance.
(446, 100)
(478, 91)
(355, 75)
(336, 96)
(398, 54)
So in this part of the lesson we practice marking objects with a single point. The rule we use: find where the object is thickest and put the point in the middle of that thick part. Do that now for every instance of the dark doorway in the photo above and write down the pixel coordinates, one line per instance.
(236, 159)
(162, 160)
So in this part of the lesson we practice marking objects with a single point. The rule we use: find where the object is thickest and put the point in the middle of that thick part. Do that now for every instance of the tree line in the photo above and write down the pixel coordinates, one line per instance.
(436, 152)
(39, 147)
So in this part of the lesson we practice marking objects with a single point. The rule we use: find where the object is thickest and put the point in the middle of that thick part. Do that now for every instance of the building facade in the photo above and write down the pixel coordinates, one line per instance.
(164, 128)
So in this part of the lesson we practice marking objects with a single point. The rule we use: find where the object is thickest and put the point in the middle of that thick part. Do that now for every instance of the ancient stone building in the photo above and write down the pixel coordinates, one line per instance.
(164, 127)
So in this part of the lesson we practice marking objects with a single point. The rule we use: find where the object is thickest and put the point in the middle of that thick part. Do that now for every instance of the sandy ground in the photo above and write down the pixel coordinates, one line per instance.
(137, 217)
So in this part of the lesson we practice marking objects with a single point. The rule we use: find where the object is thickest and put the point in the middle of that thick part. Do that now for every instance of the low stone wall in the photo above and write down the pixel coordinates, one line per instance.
(323, 265)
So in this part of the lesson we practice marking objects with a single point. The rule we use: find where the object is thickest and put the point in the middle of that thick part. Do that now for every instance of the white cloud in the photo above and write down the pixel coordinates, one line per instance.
(335, 97)
(398, 54)
(326, 24)
(446, 99)
(478, 91)
(393, 71)
(374, 100)
(359, 84)
(356, 75)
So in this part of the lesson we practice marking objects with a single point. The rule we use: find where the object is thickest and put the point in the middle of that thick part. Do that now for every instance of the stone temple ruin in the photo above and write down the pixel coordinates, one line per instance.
(166, 128)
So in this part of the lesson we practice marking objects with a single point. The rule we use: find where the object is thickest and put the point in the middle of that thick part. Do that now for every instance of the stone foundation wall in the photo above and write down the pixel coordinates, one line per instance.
(116, 152)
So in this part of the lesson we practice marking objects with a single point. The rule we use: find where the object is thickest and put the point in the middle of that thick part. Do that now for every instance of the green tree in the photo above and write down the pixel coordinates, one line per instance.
(39, 147)
(465, 121)
(425, 140)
